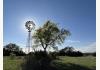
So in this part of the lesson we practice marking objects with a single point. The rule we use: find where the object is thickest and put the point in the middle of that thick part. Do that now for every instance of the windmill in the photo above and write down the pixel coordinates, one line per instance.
(29, 26)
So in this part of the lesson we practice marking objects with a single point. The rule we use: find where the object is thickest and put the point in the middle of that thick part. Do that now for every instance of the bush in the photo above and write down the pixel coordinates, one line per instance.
(38, 60)
(70, 53)
(7, 52)
(94, 54)
(53, 55)
(40, 54)
(62, 53)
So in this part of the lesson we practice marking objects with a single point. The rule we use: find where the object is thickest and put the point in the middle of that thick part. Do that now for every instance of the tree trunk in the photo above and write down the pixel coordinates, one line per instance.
(44, 49)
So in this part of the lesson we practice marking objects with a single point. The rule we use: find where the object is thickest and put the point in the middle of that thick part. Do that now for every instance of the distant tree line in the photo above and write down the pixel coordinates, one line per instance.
(90, 54)
(12, 48)
(69, 51)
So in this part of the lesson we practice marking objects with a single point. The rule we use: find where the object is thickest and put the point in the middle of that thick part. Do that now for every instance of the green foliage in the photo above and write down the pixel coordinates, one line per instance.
(12, 47)
(94, 54)
(40, 60)
(40, 55)
(49, 35)
(70, 51)
(54, 55)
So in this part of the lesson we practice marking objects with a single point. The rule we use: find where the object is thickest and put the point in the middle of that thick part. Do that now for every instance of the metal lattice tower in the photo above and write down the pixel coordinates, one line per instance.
(29, 26)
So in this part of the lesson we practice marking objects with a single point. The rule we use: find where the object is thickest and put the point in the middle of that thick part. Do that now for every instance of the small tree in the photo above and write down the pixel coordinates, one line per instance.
(49, 35)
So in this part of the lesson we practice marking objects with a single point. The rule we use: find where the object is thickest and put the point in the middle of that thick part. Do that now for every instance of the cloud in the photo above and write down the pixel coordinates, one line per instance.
(72, 41)
(89, 48)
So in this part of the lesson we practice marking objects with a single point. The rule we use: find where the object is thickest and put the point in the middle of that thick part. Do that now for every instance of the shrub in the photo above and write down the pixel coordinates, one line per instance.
(38, 60)
(53, 55)
(70, 53)
(6, 52)
(94, 54)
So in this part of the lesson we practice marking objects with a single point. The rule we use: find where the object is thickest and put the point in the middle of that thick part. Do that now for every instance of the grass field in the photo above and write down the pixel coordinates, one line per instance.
(12, 64)
(63, 63)
(75, 63)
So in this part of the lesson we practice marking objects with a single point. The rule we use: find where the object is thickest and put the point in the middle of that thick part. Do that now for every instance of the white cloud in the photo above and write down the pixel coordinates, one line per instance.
(89, 48)
(72, 41)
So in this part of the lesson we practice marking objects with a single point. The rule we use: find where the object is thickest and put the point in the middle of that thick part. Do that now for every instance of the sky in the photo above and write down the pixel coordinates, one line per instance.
(78, 16)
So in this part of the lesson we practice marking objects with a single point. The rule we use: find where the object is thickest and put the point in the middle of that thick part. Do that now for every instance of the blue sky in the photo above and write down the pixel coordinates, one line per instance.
(78, 16)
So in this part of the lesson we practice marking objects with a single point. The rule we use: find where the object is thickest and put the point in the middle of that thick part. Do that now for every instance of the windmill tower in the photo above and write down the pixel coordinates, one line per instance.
(29, 26)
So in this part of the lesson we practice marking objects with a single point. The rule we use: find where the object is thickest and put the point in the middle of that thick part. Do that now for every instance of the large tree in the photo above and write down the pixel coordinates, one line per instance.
(49, 35)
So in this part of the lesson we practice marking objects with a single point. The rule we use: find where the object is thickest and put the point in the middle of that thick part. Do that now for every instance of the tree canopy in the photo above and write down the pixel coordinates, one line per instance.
(70, 51)
(49, 35)
(12, 47)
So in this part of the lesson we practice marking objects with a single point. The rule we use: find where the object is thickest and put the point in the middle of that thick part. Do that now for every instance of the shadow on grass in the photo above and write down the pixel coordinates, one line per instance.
(70, 66)
(45, 64)
(57, 66)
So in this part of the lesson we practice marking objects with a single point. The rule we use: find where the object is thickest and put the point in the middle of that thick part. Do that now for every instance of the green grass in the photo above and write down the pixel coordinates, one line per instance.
(63, 63)
(12, 64)
(75, 63)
